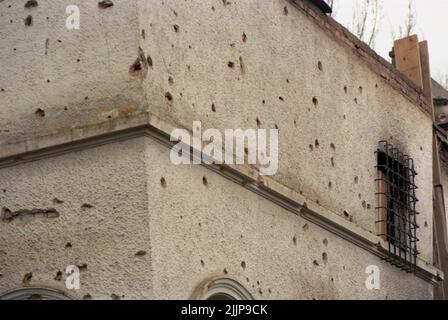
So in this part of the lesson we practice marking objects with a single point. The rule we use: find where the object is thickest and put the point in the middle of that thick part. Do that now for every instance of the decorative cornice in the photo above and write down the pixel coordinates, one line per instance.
(145, 124)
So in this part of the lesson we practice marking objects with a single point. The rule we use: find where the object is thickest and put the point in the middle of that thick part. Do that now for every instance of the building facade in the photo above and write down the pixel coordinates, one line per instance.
(86, 178)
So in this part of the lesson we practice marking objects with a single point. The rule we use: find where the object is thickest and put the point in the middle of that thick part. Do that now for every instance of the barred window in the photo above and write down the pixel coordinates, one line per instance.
(396, 210)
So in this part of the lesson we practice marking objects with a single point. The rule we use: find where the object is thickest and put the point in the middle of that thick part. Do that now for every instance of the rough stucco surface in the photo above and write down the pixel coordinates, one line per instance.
(132, 211)
(279, 58)
(105, 237)
(75, 76)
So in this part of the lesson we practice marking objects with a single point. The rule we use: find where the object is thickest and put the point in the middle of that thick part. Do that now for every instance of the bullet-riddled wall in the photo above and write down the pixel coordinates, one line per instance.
(159, 230)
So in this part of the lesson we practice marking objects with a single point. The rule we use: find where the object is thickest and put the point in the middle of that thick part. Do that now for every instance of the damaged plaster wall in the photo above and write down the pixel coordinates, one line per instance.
(229, 64)
(138, 226)
(53, 78)
(249, 64)
(102, 224)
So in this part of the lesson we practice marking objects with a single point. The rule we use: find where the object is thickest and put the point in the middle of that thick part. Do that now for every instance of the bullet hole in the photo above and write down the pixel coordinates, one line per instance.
(363, 203)
(332, 146)
(57, 201)
(2, 90)
(143, 34)
(225, 2)
(86, 98)
(421, 148)
(270, 291)
(40, 113)
(258, 122)
(346, 214)
(356, 179)
(140, 253)
(295, 122)
(426, 224)
(325, 242)
(316, 143)
(204, 181)
(258, 283)
(86, 206)
(231, 64)
(319, 66)
(213, 107)
(68, 245)
(276, 126)
(332, 280)
(105, 4)
(168, 96)
(285, 10)
(58, 276)
(345, 89)
(260, 291)
(163, 182)
(329, 184)
(294, 240)
(356, 100)
(242, 66)
(244, 37)
(315, 102)
(305, 227)
(31, 4)
(176, 28)
(82, 267)
(368, 206)
(78, 60)
(60, 41)
(324, 257)
(87, 297)
(225, 271)
(202, 263)
(344, 117)
(149, 60)
(213, 8)
(48, 80)
(287, 80)
(360, 89)
(65, 108)
(315, 263)
(29, 20)
(243, 264)
(332, 161)
(27, 278)
(317, 201)
(113, 296)
(376, 85)
(140, 66)
(170, 80)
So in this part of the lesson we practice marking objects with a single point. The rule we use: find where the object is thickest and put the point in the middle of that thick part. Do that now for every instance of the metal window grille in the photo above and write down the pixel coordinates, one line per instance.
(396, 213)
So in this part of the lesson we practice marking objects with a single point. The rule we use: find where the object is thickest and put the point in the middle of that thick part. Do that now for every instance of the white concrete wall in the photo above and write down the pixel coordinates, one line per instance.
(178, 226)
(279, 58)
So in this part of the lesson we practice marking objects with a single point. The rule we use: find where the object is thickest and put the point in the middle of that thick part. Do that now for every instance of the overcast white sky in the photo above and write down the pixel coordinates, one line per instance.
(432, 22)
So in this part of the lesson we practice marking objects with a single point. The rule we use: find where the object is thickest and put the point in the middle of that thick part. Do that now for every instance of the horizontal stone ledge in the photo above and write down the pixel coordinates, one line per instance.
(145, 124)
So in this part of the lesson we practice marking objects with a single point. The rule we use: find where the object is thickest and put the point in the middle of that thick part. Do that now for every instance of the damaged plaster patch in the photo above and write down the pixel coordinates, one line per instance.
(24, 214)
(140, 66)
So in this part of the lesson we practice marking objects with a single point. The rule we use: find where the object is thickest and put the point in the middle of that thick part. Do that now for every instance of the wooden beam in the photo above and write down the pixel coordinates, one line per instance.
(426, 72)
(407, 58)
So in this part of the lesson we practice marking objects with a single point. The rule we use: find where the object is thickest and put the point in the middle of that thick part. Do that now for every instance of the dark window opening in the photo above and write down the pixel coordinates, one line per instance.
(396, 210)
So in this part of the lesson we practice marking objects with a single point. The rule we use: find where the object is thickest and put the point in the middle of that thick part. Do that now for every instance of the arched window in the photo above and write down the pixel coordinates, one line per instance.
(222, 289)
(34, 294)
